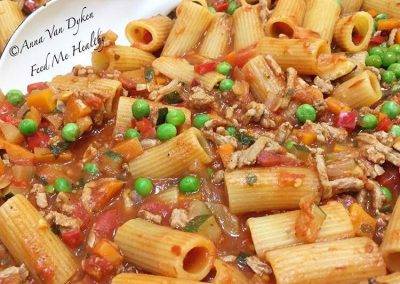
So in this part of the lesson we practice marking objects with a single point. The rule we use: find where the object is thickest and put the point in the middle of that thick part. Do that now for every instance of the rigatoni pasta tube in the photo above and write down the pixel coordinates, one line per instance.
(269, 189)
(217, 39)
(190, 25)
(287, 15)
(134, 278)
(226, 273)
(31, 241)
(124, 113)
(350, 6)
(174, 157)
(175, 68)
(333, 66)
(361, 90)
(11, 17)
(264, 84)
(390, 7)
(149, 34)
(281, 228)
(247, 27)
(122, 58)
(300, 54)
(391, 242)
(393, 278)
(328, 10)
(345, 261)
(165, 251)
(362, 23)
(209, 80)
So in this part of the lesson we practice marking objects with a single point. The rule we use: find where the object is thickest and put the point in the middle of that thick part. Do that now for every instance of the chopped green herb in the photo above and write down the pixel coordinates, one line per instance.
(8, 196)
(162, 115)
(42, 180)
(301, 148)
(56, 229)
(149, 74)
(251, 179)
(194, 224)
(241, 259)
(245, 139)
(113, 155)
(59, 148)
(173, 98)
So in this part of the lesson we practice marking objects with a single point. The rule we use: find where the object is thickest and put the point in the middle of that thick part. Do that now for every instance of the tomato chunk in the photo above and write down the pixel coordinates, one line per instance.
(97, 267)
(205, 67)
(72, 238)
(347, 119)
(146, 128)
(271, 159)
(37, 86)
(38, 140)
(106, 223)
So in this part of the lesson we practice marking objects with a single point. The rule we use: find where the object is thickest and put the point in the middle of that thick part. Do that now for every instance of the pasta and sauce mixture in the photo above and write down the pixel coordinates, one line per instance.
(232, 142)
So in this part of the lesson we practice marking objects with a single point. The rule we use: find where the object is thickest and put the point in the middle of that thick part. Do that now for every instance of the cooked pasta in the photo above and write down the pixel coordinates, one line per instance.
(226, 273)
(192, 21)
(150, 34)
(281, 228)
(391, 7)
(361, 90)
(361, 23)
(297, 53)
(10, 18)
(391, 245)
(28, 237)
(180, 255)
(287, 15)
(175, 68)
(358, 258)
(350, 6)
(133, 278)
(247, 27)
(269, 189)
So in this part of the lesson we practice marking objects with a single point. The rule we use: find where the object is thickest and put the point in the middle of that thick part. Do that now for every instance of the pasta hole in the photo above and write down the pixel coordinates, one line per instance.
(211, 275)
(360, 30)
(394, 261)
(141, 35)
(281, 28)
(195, 260)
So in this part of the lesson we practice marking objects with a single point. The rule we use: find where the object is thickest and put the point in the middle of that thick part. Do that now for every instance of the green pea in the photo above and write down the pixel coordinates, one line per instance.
(62, 185)
(391, 109)
(143, 186)
(395, 130)
(388, 77)
(389, 58)
(70, 132)
(189, 184)
(231, 130)
(373, 60)
(49, 188)
(224, 68)
(306, 112)
(381, 16)
(166, 131)
(200, 119)
(140, 109)
(176, 117)
(369, 121)
(226, 85)
(131, 134)
(376, 50)
(15, 97)
(289, 144)
(232, 7)
(395, 67)
(91, 168)
(395, 48)
(212, 10)
(27, 127)
(387, 193)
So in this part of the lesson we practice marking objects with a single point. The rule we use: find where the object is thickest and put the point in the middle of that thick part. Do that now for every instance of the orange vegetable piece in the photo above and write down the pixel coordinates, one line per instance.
(109, 251)
(397, 39)
(225, 152)
(44, 155)
(34, 114)
(2, 167)
(307, 137)
(335, 106)
(103, 190)
(44, 100)
(363, 223)
(17, 153)
(75, 109)
(372, 12)
(388, 24)
(129, 149)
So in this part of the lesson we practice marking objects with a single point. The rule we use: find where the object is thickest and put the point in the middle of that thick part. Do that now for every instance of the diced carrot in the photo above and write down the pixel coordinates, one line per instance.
(161, 80)
(44, 100)
(2, 167)
(43, 155)
(225, 152)
(105, 190)
(335, 106)
(372, 12)
(307, 137)
(34, 114)
(339, 148)
(388, 24)
(17, 153)
(75, 109)
(109, 251)
(129, 149)
(364, 224)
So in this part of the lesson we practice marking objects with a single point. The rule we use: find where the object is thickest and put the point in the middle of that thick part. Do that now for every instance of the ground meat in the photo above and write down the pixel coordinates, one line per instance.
(40, 195)
(258, 266)
(323, 175)
(218, 177)
(392, 36)
(249, 156)
(219, 139)
(179, 218)
(265, 12)
(371, 170)
(14, 274)
(82, 71)
(63, 220)
(373, 155)
(149, 143)
(325, 87)
(283, 132)
(390, 154)
(326, 132)
(150, 216)
(198, 98)
(346, 184)
(160, 93)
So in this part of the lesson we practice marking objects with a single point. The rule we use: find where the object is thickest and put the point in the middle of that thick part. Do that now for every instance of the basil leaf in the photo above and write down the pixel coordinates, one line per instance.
(244, 139)
(59, 148)
(241, 259)
(173, 98)
(162, 115)
(301, 148)
(113, 155)
(194, 224)
(149, 74)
